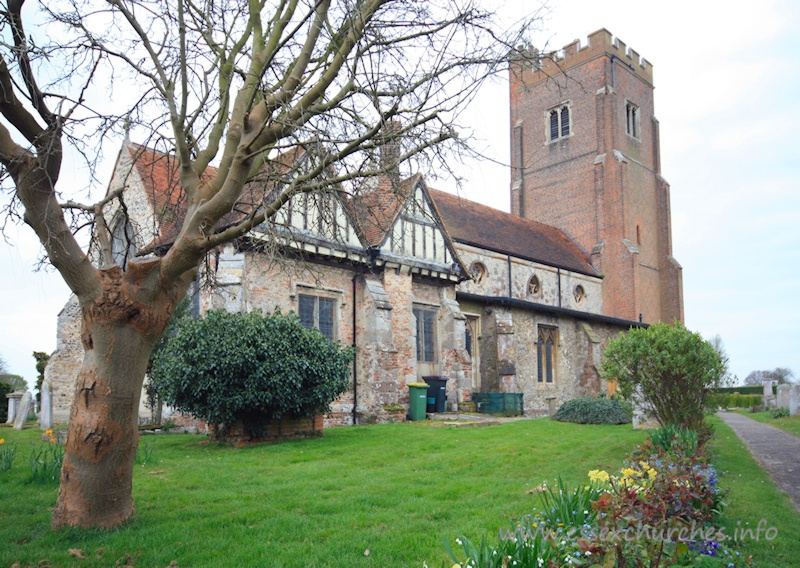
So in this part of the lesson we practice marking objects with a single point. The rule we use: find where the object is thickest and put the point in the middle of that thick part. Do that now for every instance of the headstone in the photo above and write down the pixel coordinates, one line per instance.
(22, 410)
(46, 417)
(13, 404)
(794, 400)
(642, 413)
(783, 396)
(769, 398)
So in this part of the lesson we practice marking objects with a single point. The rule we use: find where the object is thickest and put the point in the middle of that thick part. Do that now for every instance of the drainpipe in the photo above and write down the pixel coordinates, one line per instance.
(510, 293)
(355, 359)
(559, 287)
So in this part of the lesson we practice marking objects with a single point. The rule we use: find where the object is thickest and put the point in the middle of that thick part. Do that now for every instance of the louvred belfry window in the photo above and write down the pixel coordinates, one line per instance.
(632, 119)
(559, 122)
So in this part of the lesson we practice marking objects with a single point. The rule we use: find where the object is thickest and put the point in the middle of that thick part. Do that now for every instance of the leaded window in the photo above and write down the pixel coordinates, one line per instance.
(426, 334)
(318, 312)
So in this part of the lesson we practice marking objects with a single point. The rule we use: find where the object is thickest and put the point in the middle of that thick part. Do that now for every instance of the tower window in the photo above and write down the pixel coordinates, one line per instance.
(559, 122)
(632, 120)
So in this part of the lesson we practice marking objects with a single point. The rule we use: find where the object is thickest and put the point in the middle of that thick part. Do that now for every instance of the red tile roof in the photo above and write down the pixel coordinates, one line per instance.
(376, 210)
(471, 223)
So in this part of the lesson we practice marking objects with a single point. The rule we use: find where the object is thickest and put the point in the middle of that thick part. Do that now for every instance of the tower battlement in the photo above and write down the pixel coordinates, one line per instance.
(573, 54)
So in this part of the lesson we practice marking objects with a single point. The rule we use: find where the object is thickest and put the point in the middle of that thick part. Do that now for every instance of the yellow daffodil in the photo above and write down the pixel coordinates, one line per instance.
(2, 440)
(598, 475)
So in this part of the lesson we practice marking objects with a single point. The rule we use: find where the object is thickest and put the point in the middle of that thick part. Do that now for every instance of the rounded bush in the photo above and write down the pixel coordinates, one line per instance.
(594, 410)
(250, 368)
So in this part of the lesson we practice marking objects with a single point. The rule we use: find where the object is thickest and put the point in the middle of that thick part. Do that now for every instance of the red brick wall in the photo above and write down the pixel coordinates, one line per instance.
(599, 185)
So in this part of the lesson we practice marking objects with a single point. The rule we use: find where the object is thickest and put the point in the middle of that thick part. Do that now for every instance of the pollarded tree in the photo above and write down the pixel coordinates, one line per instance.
(230, 84)
(247, 369)
(669, 367)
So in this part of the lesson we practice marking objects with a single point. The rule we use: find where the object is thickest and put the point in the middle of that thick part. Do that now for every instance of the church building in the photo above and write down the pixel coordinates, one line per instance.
(423, 282)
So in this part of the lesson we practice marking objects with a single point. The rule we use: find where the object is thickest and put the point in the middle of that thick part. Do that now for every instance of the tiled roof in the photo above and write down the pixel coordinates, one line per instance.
(485, 227)
(376, 209)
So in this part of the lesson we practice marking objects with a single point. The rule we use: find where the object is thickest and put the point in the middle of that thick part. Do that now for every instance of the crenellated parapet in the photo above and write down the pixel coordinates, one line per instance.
(536, 67)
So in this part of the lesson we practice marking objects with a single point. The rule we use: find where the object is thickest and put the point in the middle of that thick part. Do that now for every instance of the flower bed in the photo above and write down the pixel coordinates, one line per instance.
(661, 509)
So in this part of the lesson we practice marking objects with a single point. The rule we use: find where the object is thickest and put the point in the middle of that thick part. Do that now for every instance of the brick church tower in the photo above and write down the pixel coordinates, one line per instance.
(585, 158)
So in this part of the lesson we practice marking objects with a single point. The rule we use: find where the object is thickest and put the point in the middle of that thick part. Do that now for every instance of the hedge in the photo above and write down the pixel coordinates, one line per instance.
(594, 410)
(755, 389)
(733, 400)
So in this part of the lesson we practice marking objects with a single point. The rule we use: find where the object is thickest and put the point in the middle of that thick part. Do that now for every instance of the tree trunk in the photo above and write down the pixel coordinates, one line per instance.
(118, 336)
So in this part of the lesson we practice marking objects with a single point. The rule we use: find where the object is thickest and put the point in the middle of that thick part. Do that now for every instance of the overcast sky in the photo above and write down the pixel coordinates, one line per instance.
(727, 77)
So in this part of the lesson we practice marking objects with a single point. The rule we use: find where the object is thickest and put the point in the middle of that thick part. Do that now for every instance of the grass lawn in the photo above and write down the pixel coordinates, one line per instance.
(394, 490)
(753, 497)
(791, 424)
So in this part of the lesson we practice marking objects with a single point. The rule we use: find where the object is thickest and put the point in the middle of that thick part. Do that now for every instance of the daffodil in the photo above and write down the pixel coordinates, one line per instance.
(598, 475)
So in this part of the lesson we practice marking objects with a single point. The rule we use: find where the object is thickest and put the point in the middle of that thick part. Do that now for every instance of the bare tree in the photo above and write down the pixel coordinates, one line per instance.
(780, 374)
(237, 85)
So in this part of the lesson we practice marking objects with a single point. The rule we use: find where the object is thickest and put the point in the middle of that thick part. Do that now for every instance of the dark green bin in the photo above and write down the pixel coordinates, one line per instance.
(418, 399)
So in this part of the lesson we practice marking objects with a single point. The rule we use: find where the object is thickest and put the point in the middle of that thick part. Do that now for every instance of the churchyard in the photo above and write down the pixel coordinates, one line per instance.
(385, 495)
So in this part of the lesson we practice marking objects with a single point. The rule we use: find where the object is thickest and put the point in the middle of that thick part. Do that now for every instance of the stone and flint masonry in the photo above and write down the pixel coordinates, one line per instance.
(422, 282)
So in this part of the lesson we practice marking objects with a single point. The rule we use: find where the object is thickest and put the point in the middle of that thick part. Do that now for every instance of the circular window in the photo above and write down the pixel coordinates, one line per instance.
(478, 272)
(580, 294)
(534, 287)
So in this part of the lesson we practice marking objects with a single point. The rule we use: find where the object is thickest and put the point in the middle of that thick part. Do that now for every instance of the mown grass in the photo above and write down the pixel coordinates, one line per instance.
(789, 424)
(394, 490)
(753, 497)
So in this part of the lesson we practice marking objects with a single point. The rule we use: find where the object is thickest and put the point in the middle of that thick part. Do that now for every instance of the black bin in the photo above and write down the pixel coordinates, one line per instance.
(437, 390)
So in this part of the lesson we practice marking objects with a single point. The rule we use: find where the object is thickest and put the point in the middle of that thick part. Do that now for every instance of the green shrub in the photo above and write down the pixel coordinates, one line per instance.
(779, 413)
(5, 389)
(249, 369)
(667, 367)
(594, 410)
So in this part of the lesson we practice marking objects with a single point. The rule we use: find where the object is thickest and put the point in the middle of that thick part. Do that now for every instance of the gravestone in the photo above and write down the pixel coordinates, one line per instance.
(769, 398)
(642, 413)
(23, 408)
(46, 417)
(13, 404)
(794, 400)
(783, 396)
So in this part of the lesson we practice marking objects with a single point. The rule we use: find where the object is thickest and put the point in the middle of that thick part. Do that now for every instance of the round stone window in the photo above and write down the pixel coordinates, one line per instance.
(580, 294)
(478, 272)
